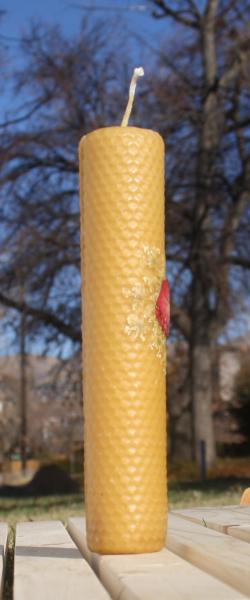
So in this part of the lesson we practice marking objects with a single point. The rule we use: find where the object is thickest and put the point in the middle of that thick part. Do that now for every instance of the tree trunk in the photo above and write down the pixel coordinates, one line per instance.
(202, 395)
(203, 286)
(202, 340)
(23, 388)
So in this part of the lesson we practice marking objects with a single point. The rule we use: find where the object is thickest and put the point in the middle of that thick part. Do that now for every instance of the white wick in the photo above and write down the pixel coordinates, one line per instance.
(138, 72)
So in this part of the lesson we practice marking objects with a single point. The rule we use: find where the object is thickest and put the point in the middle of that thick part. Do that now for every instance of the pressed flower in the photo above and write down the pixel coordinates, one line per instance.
(162, 308)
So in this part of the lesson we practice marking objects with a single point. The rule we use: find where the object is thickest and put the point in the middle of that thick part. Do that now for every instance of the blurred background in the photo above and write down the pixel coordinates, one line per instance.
(65, 70)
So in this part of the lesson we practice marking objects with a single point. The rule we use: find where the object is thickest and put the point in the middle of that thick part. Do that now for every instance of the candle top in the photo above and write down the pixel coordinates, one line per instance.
(123, 129)
(123, 132)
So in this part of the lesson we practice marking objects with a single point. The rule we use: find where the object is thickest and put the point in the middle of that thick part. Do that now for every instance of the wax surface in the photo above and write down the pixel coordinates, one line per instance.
(124, 353)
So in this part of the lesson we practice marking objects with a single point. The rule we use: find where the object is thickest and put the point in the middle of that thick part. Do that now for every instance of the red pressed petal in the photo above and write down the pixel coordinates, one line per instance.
(162, 307)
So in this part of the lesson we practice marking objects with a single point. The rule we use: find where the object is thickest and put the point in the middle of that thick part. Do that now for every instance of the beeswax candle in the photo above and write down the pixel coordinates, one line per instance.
(124, 357)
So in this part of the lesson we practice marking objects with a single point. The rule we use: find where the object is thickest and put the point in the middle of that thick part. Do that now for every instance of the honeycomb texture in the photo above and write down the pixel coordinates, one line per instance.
(124, 355)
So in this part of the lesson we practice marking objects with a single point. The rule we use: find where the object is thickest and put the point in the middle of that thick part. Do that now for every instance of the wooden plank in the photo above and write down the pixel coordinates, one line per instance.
(220, 555)
(48, 565)
(154, 576)
(242, 532)
(3, 546)
(243, 508)
(219, 519)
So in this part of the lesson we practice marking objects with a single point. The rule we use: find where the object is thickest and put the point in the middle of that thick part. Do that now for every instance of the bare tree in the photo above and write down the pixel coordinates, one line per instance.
(67, 84)
(204, 106)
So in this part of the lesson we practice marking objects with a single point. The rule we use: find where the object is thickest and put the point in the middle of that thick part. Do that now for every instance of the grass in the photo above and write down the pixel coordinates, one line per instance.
(215, 492)
(184, 494)
(222, 487)
(58, 507)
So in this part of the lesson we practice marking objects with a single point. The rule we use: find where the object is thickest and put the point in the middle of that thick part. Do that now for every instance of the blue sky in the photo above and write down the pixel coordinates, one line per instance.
(68, 14)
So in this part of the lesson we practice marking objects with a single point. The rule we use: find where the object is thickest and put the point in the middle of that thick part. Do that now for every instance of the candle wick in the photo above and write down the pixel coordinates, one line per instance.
(138, 72)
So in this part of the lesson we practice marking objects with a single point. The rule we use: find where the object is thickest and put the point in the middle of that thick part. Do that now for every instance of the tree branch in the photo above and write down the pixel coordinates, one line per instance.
(180, 319)
(241, 54)
(239, 261)
(176, 15)
(231, 224)
(47, 317)
(194, 9)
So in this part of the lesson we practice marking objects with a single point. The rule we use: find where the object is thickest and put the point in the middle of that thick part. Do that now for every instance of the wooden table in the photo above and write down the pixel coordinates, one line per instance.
(207, 556)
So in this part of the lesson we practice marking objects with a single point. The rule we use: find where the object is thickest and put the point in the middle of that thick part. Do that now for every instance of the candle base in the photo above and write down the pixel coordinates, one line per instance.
(112, 546)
